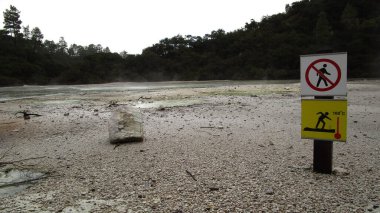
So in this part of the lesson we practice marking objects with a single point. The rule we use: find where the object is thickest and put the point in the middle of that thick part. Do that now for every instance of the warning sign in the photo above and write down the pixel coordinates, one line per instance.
(324, 119)
(324, 75)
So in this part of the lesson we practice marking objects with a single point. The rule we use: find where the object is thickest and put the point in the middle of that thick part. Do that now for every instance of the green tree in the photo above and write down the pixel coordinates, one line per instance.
(349, 17)
(37, 36)
(123, 54)
(62, 45)
(323, 32)
(92, 49)
(50, 46)
(73, 50)
(107, 50)
(12, 22)
(26, 32)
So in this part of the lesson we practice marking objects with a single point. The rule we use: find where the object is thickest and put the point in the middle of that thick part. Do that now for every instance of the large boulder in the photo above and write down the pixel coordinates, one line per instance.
(125, 126)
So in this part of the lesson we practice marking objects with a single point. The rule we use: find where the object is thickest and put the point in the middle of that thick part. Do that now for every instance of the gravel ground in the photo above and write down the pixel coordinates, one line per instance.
(224, 149)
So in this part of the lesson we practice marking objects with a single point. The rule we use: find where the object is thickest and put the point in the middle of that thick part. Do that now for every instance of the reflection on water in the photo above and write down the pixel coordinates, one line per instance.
(21, 92)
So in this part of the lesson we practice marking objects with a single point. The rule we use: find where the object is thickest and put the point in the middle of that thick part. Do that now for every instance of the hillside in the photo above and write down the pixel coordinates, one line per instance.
(268, 49)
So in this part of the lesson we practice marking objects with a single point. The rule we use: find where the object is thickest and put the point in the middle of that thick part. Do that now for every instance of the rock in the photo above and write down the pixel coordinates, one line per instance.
(269, 191)
(373, 208)
(213, 188)
(161, 108)
(66, 114)
(156, 200)
(125, 126)
(340, 171)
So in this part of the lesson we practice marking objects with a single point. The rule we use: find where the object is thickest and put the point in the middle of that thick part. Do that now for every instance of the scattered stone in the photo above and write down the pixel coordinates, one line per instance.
(373, 208)
(125, 126)
(340, 171)
(269, 191)
(156, 200)
(66, 114)
(214, 188)
(113, 103)
(161, 108)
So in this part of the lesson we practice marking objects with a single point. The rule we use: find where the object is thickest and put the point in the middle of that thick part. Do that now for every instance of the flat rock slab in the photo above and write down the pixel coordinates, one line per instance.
(125, 126)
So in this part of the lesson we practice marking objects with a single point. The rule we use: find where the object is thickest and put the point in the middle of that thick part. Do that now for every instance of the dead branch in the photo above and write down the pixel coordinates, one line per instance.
(191, 175)
(116, 146)
(211, 127)
(26, 114)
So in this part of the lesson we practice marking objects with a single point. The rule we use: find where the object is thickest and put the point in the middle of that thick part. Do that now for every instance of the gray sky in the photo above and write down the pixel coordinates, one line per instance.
(133, 25)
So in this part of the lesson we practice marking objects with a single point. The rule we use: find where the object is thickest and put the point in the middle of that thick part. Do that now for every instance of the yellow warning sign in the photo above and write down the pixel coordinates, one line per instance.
(324, 119)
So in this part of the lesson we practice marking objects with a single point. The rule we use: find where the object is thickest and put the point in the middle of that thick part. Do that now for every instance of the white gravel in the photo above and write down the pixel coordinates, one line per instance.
(223, 149)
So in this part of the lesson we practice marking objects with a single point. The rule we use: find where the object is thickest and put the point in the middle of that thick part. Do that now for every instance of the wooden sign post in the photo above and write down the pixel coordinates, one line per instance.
(324, 120)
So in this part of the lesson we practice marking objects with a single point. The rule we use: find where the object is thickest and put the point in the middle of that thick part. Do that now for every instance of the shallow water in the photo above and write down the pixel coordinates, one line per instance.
(13, 181)
(23, 92)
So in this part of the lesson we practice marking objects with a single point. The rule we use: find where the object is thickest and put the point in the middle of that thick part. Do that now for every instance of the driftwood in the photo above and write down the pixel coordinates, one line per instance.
(27, 115)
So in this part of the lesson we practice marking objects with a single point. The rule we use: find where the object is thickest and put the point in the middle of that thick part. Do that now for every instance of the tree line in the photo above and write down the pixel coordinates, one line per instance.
(268, 49)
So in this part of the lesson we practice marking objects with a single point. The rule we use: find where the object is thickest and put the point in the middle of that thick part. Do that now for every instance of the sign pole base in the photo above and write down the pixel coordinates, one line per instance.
(323, 151)
(323, 156)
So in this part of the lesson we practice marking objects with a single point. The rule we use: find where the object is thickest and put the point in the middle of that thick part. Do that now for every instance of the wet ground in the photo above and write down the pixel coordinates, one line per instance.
(228, 147)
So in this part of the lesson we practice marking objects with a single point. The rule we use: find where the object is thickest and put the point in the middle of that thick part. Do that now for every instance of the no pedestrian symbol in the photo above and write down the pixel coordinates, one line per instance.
(324, 75)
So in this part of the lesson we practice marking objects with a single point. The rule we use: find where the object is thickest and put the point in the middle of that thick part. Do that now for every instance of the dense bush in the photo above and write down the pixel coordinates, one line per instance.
(268, 49)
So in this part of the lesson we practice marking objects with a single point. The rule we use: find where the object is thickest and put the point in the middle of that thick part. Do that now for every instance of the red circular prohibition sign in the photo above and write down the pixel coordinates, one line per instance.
(333, 84)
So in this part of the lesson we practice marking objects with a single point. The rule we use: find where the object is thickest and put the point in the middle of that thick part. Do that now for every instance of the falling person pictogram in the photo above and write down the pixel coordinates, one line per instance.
(324, 71)
(321, 119)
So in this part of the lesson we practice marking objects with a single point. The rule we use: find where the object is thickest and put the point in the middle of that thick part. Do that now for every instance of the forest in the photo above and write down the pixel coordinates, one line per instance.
(269, 49)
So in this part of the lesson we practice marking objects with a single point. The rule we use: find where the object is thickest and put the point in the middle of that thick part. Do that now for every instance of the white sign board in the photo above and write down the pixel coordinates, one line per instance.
(324, 74)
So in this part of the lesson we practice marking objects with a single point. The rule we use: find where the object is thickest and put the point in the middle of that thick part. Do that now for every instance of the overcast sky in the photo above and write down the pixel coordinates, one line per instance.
(133, 25)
